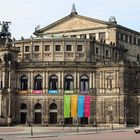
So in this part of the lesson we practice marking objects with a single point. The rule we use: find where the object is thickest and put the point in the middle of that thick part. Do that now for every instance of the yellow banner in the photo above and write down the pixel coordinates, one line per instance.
(74, 99)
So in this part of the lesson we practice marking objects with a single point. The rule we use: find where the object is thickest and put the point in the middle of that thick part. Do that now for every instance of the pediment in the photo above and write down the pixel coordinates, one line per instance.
(72, 23)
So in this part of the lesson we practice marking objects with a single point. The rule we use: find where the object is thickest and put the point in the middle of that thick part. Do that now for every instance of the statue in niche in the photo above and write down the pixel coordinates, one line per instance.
(109, 82)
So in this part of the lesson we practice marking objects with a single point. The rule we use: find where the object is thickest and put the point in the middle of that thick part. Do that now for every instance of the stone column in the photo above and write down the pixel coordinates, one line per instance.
(0, 105)
(91, 81)
(52, 49)
(63, 50)
(31, 54)
(43, 111)
(22, 52)
(3, 79)
(44, 82)
(31, 82)
(75, 81)
(42, 49)
(62, 81)
(47, 81)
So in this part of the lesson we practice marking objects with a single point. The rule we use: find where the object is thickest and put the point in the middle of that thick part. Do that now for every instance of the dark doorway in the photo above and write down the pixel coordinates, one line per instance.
(23, 118)
(38, 113)
(23, 113)
(53, 117)
(53, 113)
(38, 118)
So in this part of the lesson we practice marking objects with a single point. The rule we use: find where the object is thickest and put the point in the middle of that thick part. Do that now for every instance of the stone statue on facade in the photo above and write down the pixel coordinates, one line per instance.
(4, 33)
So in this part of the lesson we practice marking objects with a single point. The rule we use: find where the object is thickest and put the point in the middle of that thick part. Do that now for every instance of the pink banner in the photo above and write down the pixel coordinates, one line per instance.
(87, 106)
(37, 91)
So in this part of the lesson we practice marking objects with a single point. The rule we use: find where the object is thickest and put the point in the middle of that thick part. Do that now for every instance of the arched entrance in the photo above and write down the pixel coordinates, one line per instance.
(53, 113)
(38, 113)
(23, 113)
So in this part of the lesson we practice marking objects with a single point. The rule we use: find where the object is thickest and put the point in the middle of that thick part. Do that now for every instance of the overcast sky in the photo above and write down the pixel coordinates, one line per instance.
(25, 15)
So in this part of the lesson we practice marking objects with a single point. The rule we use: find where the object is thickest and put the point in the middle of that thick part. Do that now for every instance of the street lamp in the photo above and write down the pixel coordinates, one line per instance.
(77, 123)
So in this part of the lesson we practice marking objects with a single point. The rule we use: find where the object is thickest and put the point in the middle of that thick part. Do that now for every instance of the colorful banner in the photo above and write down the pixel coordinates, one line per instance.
(74, 99)
(67, 106)
(87, 106)
(81, 106)
(52, 91)
(37, 91)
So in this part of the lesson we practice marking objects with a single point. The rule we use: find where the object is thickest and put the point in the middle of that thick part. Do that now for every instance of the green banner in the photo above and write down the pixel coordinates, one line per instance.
(67, 106)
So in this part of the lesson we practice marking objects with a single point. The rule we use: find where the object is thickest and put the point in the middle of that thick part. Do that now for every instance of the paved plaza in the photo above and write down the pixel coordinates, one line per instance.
(67, 133)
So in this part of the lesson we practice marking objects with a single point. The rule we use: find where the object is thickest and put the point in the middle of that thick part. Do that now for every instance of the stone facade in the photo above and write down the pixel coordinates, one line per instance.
(76, 55)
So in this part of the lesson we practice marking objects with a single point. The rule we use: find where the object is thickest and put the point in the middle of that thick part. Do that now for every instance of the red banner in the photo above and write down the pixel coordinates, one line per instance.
(37, 92)
(87, 106)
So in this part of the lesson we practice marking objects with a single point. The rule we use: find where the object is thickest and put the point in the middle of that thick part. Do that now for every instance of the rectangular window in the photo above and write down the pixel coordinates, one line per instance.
(121, 36)
(130, 39)
(57, 48)
(47, 47)
(27, 48)
(37, 48)
(79, 47)
(135, 41)
(107, 53)
(97, 50)
(138, 41)
(116, 55)
(68, 48)
(102, 36)
(92, 36)
(18, 48)
(83, 36)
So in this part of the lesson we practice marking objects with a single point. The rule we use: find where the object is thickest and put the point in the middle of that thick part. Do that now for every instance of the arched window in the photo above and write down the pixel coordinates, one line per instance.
(38, 106)
(53, 82)
(68, 82)
(24, 82)
(84, 83)
(53, 106)
(38, 82)
(23, 106)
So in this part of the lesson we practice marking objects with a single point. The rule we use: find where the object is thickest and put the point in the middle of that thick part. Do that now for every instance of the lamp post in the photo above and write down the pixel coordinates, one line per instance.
(77, 123)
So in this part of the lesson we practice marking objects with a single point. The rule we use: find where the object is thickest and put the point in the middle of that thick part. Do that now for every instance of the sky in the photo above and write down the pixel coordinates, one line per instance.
(25, 15)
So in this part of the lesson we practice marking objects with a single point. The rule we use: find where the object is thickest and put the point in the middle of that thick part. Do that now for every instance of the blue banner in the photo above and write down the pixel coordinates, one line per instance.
(81, 106)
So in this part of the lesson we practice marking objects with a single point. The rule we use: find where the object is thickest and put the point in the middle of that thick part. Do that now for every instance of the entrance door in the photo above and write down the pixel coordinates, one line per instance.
(53, 117)
(38, 113)
(23, 118)
(23, 113)
(38, 118)
(53, 113)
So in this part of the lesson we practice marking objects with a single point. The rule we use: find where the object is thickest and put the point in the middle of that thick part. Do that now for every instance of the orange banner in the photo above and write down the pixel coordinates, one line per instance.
(74, 99)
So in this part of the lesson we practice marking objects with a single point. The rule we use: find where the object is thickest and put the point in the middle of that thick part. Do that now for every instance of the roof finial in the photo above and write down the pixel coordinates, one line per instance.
(73, 10)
